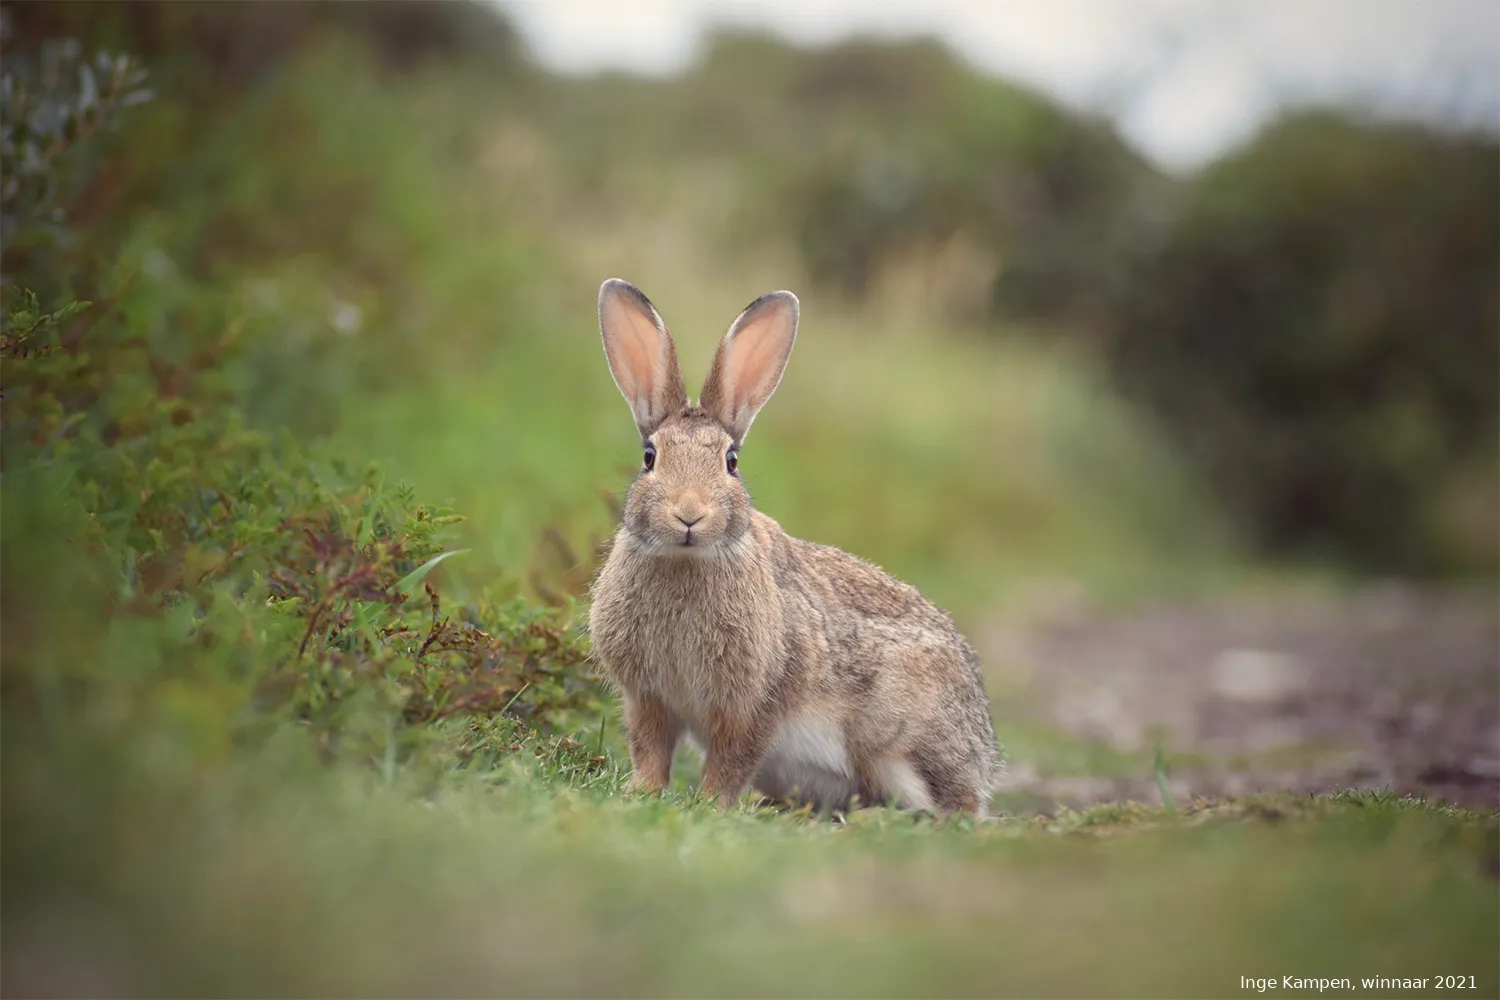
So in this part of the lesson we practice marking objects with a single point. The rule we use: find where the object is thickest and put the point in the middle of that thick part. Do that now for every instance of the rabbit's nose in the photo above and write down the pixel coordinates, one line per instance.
(688, 522)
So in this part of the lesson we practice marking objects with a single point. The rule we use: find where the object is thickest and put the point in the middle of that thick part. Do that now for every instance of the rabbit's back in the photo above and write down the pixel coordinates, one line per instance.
(911, 683)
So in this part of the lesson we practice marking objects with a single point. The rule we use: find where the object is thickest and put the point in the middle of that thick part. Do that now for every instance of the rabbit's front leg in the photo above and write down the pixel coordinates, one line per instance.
(736, 748)
(653, 730)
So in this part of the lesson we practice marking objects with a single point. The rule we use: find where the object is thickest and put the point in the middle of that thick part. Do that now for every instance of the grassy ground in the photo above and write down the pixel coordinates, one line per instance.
(161, 840)
(544, 879)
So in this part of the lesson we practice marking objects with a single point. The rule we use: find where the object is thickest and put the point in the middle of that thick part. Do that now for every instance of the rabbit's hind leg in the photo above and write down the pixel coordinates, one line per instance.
(952, 784)
(901, 784)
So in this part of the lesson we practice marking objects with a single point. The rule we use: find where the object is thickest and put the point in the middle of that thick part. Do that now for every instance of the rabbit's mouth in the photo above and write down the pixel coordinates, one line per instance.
(707, 540)
(693, 544)
(690, 546)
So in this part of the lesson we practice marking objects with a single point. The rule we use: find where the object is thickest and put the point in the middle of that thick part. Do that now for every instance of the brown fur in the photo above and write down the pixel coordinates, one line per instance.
(799, 669)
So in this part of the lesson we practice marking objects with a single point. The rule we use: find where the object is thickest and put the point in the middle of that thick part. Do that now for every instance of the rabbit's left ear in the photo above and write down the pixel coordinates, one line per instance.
(641, 355)
(750, 360)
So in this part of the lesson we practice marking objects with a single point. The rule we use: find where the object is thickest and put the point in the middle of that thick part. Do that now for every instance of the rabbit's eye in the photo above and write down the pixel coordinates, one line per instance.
(649, 459)
(732, 461)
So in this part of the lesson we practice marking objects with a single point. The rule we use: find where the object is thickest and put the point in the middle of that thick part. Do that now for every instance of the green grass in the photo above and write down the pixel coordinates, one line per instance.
(266, 875)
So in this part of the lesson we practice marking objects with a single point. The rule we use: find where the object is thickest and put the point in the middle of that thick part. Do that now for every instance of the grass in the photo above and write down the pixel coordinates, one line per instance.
(268, 876)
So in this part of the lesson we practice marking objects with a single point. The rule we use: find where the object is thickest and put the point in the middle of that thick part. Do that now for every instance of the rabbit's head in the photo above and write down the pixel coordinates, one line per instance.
(688, 500)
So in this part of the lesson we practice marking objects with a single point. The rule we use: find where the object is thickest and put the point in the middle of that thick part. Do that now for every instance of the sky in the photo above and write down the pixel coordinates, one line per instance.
(1183, 79)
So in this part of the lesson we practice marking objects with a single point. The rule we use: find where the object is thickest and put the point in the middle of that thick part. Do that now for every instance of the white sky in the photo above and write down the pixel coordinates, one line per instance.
(1183, 78)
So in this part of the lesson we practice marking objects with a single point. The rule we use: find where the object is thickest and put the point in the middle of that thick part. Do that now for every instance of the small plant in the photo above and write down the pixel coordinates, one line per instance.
(28, 322)
(1163, 785)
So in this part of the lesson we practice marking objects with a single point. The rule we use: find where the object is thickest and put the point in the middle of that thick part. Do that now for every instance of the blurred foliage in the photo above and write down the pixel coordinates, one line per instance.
(294, 576)
(243, 40)
(1277, 310)
(1319, 329)
(874, 158)
(916, 157)
(318, 266)
(268, 730)
(51, 102)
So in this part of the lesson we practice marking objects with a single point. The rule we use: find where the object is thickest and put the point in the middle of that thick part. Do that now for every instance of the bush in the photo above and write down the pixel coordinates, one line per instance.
(241, 40)
(162, 552)
(943, 158)
(1318, 330)
(53, 101)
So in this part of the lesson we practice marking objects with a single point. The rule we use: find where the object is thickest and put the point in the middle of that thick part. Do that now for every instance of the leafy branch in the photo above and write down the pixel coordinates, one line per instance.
(52, 102)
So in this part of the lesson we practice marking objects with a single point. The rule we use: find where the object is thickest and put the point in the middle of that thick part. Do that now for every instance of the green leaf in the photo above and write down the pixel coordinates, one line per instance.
(410, 580)
(366, 626)
(1159, 766)
(70, 310)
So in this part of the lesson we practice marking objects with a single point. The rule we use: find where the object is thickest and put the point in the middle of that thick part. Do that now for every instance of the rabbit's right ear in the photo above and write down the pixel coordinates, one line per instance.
(749, 363)
(641, 355)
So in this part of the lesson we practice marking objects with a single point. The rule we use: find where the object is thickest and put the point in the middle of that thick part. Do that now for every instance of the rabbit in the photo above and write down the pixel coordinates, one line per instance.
(800, 670)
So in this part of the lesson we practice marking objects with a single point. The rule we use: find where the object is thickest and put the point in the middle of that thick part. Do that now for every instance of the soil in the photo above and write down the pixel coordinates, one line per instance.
(1395, 689)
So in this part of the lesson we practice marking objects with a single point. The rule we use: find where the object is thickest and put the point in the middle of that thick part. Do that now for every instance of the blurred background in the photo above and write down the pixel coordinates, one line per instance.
(1159, 341)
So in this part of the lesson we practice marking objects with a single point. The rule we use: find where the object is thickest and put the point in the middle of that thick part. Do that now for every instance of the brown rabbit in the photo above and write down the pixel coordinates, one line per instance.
(799, 669)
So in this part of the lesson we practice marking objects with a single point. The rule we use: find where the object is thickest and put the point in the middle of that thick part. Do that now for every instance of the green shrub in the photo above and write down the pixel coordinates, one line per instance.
(1319, 330)
(222, 567)
(55, 103)
(1044, 195)
(895, 150)
(239, 41)
(187, 507)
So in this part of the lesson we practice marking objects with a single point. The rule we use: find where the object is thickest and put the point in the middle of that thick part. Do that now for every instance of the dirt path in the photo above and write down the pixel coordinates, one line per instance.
(1392, 689)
